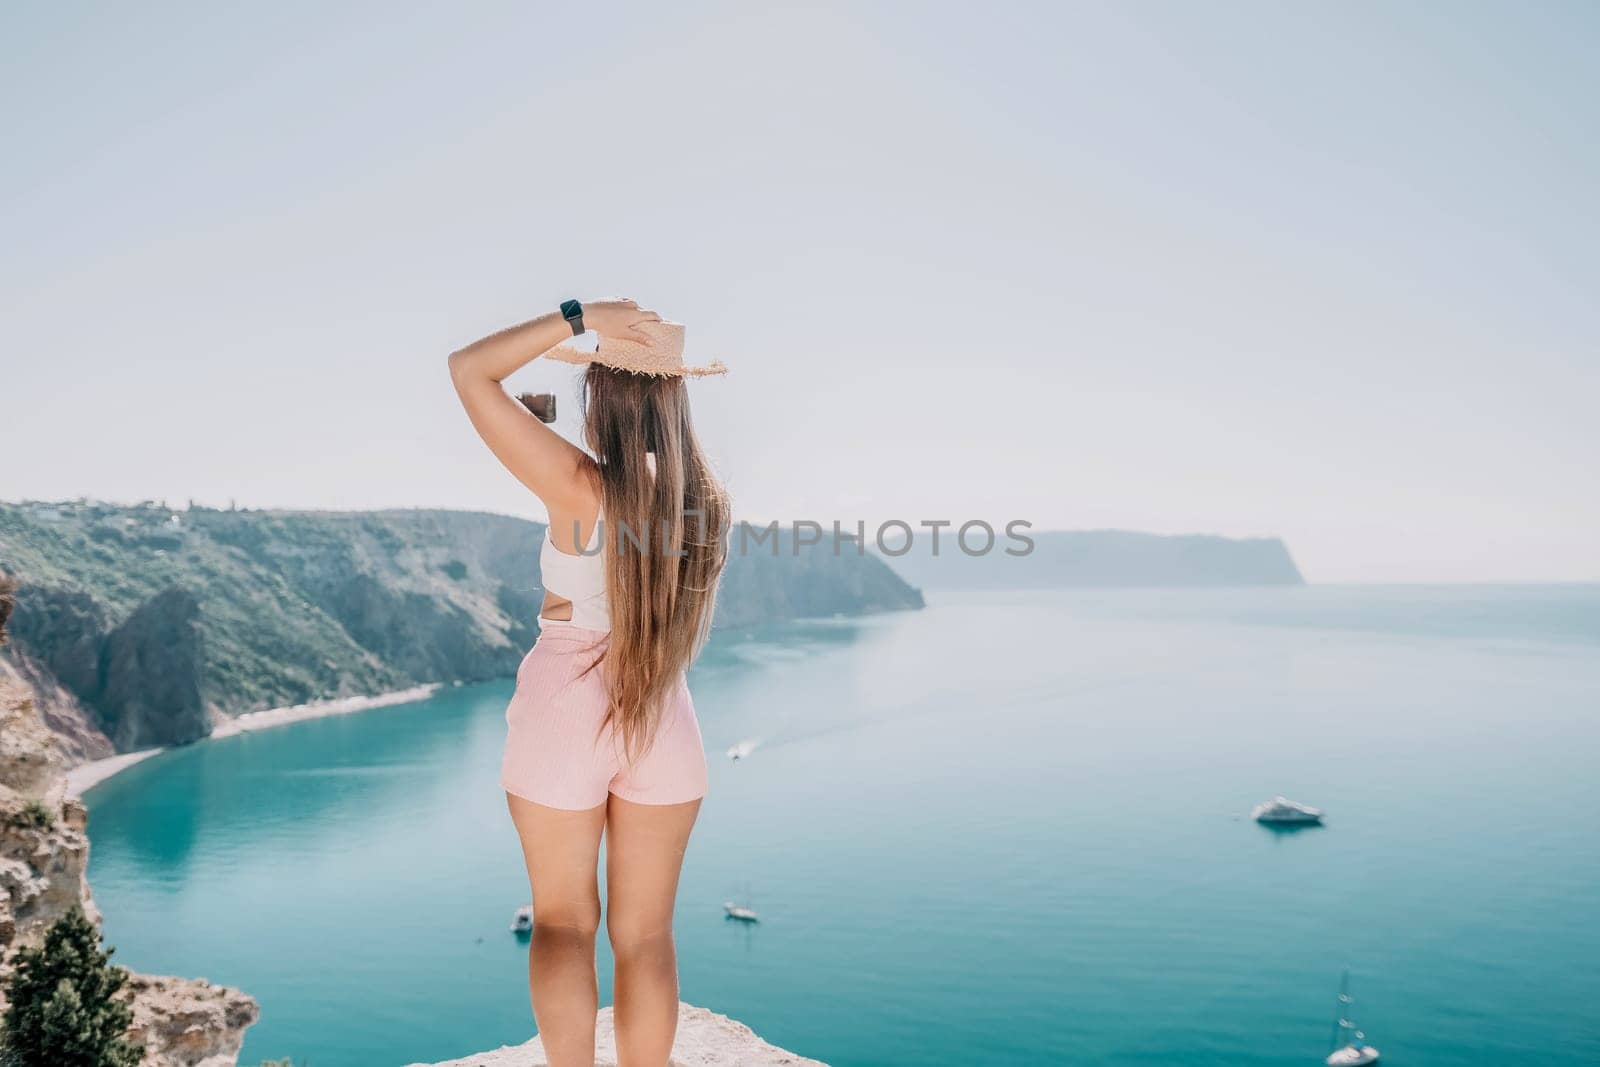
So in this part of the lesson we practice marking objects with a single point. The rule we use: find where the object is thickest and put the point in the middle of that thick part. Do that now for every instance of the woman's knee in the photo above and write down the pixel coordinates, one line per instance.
(576, 917)
(636, 934)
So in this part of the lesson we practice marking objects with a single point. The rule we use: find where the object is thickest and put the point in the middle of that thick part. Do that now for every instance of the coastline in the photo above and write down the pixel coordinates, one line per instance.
(320, 709)
(85, 776)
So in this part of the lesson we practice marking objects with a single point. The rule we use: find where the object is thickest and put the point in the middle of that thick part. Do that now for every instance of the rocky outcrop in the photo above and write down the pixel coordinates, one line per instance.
(140, 677)
(44, 852)
(188, 1022)
(63, 630)
(31, 760)
(150, 675)
(705, 1039)
(79, 738)
(44, 856)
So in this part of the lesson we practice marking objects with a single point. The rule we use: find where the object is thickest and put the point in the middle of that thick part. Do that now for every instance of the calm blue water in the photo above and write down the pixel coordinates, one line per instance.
(1006, 829)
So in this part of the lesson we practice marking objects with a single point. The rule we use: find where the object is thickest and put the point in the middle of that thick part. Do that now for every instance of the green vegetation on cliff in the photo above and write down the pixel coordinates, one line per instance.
(158, 619)
(63, 1006)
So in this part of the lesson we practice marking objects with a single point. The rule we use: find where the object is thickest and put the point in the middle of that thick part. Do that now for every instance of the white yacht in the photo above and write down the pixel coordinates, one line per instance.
(742, 749)
(740, 912)
(1350, 1044)
(1353, 1056)
(522, 921)
(1284, 810)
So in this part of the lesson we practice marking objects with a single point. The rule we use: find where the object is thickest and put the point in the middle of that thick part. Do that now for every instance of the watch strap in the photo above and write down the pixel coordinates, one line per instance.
(572, 311)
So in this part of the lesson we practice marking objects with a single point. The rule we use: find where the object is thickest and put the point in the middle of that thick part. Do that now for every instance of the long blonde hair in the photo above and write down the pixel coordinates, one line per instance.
(665, 543)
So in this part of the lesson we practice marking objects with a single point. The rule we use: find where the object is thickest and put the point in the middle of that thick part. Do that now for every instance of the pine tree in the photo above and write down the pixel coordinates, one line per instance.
(64, 1011)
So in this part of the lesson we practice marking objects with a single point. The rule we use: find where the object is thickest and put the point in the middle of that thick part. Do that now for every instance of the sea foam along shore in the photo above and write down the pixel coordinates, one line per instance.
(88, 775)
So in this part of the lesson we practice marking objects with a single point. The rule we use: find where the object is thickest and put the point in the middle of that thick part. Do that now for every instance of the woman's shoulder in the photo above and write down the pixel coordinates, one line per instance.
(574, 516)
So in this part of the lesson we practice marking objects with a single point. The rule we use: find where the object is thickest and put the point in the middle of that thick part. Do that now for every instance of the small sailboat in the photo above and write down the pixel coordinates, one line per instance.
(1283, 811)
(742, 749)
(740, 912)
(522, 920)
(1350, 1048)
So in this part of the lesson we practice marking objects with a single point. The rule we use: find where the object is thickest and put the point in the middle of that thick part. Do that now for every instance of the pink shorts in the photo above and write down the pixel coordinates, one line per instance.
(558, 755)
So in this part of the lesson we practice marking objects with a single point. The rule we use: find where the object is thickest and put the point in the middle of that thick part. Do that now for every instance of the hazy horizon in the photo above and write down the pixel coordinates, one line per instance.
(1324, 274)
(921, 533)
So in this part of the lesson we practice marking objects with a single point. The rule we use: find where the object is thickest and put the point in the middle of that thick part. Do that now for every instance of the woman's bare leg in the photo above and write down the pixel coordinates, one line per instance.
(644, 853)
(562, 850)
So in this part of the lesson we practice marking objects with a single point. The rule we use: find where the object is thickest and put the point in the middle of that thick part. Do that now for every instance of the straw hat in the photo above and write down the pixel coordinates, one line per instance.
(662, 357)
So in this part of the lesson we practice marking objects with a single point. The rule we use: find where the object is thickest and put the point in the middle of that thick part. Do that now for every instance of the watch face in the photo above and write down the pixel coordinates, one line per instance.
(571, 309)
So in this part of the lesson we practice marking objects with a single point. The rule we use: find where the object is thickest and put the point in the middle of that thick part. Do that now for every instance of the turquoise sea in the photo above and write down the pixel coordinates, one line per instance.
(1008, 829)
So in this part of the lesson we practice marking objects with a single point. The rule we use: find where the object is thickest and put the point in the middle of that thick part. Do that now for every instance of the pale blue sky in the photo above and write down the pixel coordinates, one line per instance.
(1322, 271)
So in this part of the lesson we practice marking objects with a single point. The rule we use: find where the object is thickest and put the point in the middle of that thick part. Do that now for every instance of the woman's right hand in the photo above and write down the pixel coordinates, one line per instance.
(617, 318)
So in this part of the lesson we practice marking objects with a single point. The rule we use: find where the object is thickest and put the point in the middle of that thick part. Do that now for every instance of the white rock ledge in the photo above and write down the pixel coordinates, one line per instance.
(705, 1039)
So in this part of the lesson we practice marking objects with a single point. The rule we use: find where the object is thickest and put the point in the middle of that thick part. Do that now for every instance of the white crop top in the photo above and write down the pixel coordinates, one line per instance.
(580, 579)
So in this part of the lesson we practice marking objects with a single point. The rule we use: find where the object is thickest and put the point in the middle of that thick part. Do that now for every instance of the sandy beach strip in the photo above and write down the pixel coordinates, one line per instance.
(86, 776)
(319, 709)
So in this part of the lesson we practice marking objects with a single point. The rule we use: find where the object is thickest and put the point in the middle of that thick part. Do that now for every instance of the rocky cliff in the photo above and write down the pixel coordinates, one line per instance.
(705, 1039)
(148, 623)
(770, 579)
(150, 672)
(44, 850)
(44, 854)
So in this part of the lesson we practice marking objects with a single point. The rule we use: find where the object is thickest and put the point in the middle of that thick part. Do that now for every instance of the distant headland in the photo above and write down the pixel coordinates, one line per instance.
(1099, 558)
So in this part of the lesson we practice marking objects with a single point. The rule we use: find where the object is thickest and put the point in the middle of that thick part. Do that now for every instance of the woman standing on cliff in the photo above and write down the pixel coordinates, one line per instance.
(602, 735)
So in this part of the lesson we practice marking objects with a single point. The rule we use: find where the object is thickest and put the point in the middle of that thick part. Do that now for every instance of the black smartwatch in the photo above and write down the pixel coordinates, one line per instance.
(572, 311)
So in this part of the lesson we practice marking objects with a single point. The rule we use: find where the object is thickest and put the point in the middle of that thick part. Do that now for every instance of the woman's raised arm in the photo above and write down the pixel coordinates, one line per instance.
(541, 459)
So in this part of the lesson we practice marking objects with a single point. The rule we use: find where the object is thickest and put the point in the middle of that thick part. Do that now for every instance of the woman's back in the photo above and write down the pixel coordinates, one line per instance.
(575, 584)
